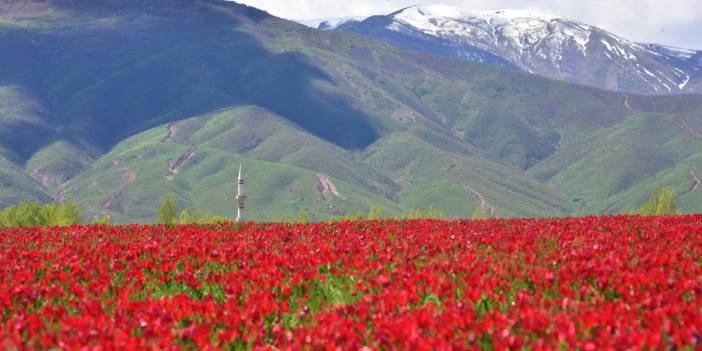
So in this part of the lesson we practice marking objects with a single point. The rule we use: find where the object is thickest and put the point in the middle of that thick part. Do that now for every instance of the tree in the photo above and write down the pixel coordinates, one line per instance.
(186, 217)
(661, 203)
(33, 214)
(67, 213)
(168, 210)
(303, 217)
(30, 214)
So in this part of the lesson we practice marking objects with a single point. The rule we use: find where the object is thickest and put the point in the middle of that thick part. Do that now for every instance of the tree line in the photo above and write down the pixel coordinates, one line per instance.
(34, 214)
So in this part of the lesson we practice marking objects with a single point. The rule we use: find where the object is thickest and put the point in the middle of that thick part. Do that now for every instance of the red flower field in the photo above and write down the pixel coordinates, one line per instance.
(587, 283)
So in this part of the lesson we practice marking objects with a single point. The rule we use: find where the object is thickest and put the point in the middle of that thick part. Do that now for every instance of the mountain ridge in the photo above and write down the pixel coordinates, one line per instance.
(548, 45)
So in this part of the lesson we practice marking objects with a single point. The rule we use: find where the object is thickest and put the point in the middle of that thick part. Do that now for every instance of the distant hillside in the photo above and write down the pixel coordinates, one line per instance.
(119, 103)
(543, 44)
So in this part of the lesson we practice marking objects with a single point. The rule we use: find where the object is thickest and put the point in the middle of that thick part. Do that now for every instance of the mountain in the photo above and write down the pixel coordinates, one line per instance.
(118, 103)
(548, 45)
(329, 23)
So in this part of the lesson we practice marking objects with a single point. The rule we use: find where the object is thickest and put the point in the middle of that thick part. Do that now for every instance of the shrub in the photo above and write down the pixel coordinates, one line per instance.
(660, 203)
(34, 214)
(168, 210)
(418, 213)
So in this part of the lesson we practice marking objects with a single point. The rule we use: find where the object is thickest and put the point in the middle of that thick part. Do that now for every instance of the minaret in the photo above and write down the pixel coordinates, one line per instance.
(240, 196)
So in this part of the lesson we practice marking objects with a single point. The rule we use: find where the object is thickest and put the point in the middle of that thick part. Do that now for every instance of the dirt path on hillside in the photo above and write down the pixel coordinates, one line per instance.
(626, 104)
(327, 188)
(687, 127)
(606, 210)
(451, 166)
(172, 130)
(128, 176)
(482, 202)
(695, 182)
(174, 166)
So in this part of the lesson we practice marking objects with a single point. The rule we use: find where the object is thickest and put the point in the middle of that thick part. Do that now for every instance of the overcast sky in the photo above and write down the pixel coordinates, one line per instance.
(671, 22)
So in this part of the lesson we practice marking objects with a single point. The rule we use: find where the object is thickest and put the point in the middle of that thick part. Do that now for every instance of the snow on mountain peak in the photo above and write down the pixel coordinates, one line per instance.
(550, 45)
(514, 29)
(328, 23)
(443, 11)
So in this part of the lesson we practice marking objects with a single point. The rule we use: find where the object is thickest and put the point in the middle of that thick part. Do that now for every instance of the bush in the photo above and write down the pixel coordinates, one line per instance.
(168, 210)
(302, 218)
(660, 203)
(376, 213)
(196, 217)
(34, 214)
(418, 213)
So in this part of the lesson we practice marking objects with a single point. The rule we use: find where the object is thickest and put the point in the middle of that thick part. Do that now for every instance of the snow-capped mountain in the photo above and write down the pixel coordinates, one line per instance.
(330, 23)
(543, 44)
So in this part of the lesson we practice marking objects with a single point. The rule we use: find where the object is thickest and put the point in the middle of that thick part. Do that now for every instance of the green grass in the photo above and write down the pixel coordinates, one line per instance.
(628, 158)
(16, 186)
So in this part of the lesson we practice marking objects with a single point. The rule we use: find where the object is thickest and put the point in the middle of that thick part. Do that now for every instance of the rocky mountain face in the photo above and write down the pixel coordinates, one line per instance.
(543, 44)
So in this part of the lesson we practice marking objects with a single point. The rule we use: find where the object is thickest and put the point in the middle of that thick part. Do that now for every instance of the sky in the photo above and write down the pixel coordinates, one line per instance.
(670, 22)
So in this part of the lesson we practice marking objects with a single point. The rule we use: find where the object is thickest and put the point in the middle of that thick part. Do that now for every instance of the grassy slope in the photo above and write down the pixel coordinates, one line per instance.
(131, 179)
(448, 180)
(16, 186)
(284, 169)
(627, 158)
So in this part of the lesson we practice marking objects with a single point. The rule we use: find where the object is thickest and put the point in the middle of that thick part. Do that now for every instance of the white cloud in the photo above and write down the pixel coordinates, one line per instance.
(672, 22)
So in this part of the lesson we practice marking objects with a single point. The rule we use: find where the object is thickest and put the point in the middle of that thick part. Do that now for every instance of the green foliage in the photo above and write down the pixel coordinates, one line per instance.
(197, 217)
(479, 213)
(418, 213)
(358, 216)
(33, 214)
(302, 218)
(67, 214)
(379, 213)
(186, 217)
(332, 290)
(105, 219)
(168, 210)
(660, 203)
(376, 213)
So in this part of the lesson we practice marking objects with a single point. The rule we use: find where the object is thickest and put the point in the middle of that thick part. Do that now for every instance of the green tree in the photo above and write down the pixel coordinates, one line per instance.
(186, 217)
(661, 203)
(67, 213)
(168, 210)
(197, 217)
(209, 218)
(30, 214)
(33, 214)
(7, 217)
(303, 217)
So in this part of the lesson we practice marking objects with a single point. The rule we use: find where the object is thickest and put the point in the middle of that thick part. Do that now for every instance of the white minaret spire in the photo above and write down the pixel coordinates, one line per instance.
(240, 196)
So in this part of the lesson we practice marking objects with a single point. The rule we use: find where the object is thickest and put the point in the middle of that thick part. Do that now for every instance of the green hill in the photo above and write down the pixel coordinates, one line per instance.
(119, 103)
